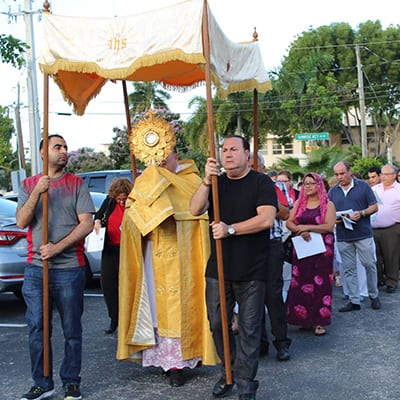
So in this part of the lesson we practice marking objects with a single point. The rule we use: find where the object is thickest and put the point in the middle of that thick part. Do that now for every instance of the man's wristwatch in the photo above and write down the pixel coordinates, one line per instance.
(231, 230)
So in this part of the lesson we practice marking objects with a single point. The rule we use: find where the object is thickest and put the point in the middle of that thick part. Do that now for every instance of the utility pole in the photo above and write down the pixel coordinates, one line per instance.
(33, 102)
(20, 141)
(363, 124)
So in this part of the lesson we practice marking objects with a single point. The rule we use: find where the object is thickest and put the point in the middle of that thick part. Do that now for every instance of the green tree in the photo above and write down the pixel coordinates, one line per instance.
(86, 160)
(320, 72)
(12, 50)
(380, 54)
(320, 161)
(119, 149)
(233, 115)
(362, 165)
(146, 96)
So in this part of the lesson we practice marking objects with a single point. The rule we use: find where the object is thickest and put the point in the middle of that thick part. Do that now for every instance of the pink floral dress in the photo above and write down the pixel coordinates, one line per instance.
(309, 301)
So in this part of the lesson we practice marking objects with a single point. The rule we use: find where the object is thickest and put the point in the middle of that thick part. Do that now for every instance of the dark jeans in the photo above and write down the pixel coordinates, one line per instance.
(66, 292)
(244, 357)
(109, 280)
(273, 297)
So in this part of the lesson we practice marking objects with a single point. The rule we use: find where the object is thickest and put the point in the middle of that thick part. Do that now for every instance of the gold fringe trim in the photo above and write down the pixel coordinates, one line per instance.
(78, 109)
(122, 73)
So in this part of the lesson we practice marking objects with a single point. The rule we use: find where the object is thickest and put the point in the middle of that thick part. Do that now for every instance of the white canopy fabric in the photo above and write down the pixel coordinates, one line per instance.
(164, 45)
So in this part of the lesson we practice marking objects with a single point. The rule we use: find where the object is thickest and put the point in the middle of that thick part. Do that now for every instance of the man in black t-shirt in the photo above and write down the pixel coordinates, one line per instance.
(248, 206)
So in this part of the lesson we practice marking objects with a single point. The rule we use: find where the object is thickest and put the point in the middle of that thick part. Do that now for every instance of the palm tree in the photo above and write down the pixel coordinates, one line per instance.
(320, 161)
(147, 95)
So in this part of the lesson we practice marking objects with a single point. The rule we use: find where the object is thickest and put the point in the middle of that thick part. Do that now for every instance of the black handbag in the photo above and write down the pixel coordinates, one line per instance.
(288, 249)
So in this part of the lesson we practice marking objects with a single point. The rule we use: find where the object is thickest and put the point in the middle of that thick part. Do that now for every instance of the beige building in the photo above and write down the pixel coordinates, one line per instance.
(272, 151)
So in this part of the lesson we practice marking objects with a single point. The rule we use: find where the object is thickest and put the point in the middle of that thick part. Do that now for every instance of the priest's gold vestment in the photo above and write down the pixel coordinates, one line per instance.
(158, 210)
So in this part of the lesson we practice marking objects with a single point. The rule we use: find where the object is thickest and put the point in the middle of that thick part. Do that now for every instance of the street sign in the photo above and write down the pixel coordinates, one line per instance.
(312, 136)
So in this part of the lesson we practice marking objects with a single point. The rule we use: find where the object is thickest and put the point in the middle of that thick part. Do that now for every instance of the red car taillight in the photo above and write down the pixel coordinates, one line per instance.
(8, 238)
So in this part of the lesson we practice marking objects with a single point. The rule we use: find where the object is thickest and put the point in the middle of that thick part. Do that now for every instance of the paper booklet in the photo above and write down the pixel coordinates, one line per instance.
(95, 241)
(345, 215)
(306, 249)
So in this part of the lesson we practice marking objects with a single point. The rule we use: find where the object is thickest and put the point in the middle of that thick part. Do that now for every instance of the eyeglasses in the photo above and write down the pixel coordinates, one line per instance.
(387, 173)
(309, 183)
(284, 181)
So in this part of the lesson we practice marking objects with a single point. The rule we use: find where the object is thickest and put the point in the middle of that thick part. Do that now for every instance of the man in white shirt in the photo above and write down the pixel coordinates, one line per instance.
(386, 227)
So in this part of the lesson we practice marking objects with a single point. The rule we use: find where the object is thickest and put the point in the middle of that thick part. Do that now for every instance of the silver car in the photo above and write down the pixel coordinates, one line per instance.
(13, 249)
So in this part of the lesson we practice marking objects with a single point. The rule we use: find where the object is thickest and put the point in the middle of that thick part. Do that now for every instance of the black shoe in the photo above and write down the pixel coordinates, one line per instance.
(221, 388)
(375, 303)
(248, 396)
(72, 392)
(350, 307)
(177, 378)
(283, 354)
(36, 392)
(111, 329)
(390, 289)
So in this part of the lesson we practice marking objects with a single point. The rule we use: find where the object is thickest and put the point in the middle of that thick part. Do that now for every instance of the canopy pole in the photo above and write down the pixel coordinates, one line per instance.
(45, 205)
(215, 197)
(255, 130)
(129, 128)
(45, 222)
(255, 117)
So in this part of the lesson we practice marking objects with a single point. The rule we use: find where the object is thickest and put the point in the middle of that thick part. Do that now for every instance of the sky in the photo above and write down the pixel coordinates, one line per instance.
(278, 23)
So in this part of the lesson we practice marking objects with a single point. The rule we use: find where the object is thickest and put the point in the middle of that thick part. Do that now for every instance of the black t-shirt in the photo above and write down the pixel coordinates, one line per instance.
(244, 256)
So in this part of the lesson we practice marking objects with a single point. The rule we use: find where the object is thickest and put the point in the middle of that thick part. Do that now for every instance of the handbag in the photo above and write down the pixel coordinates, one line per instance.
(288, 249)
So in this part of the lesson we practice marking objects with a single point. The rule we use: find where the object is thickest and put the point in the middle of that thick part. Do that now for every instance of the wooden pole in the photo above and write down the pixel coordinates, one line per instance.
(45, 204)
(255, 118)
(129, 128)
(218, 244)
(45, 207)
(255, 130)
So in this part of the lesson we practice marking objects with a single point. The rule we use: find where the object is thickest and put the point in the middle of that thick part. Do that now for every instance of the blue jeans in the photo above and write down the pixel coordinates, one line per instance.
(66, 293)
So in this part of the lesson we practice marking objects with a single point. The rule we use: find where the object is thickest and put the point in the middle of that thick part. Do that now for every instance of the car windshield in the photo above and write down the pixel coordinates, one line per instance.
(8, 208)
(98, 199)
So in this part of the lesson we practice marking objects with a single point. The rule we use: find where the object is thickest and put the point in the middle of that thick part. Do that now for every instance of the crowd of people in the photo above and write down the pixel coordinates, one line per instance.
(192, 267)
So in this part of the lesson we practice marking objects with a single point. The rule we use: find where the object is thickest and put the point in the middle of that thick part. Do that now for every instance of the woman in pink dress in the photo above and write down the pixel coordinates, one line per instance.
(309, 302)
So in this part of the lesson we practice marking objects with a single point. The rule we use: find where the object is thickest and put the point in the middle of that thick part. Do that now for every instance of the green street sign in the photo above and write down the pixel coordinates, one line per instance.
(312, 136)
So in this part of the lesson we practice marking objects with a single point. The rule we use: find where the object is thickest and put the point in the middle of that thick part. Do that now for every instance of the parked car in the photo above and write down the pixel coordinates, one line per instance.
(14, 247)
(100, 181)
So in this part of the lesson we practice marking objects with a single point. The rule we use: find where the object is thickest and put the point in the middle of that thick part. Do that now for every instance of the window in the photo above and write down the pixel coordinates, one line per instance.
(288, 148)
(276, 148)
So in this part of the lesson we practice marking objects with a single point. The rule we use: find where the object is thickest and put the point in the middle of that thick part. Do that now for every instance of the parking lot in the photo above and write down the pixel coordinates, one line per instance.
(357, 360)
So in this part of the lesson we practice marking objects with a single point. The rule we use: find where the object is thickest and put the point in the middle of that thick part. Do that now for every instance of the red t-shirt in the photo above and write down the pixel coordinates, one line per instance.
(114, 225)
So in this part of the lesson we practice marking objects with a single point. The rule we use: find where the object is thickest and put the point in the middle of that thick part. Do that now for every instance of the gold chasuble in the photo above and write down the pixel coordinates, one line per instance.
(157, 210)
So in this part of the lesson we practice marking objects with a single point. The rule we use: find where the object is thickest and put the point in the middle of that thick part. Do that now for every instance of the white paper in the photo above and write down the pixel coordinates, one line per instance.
(340, 214)
(306, 249)
(95, 241)
(347, 222)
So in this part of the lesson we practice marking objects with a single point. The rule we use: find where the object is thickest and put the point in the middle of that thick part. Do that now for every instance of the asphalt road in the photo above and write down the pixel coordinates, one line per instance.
(359, 359)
